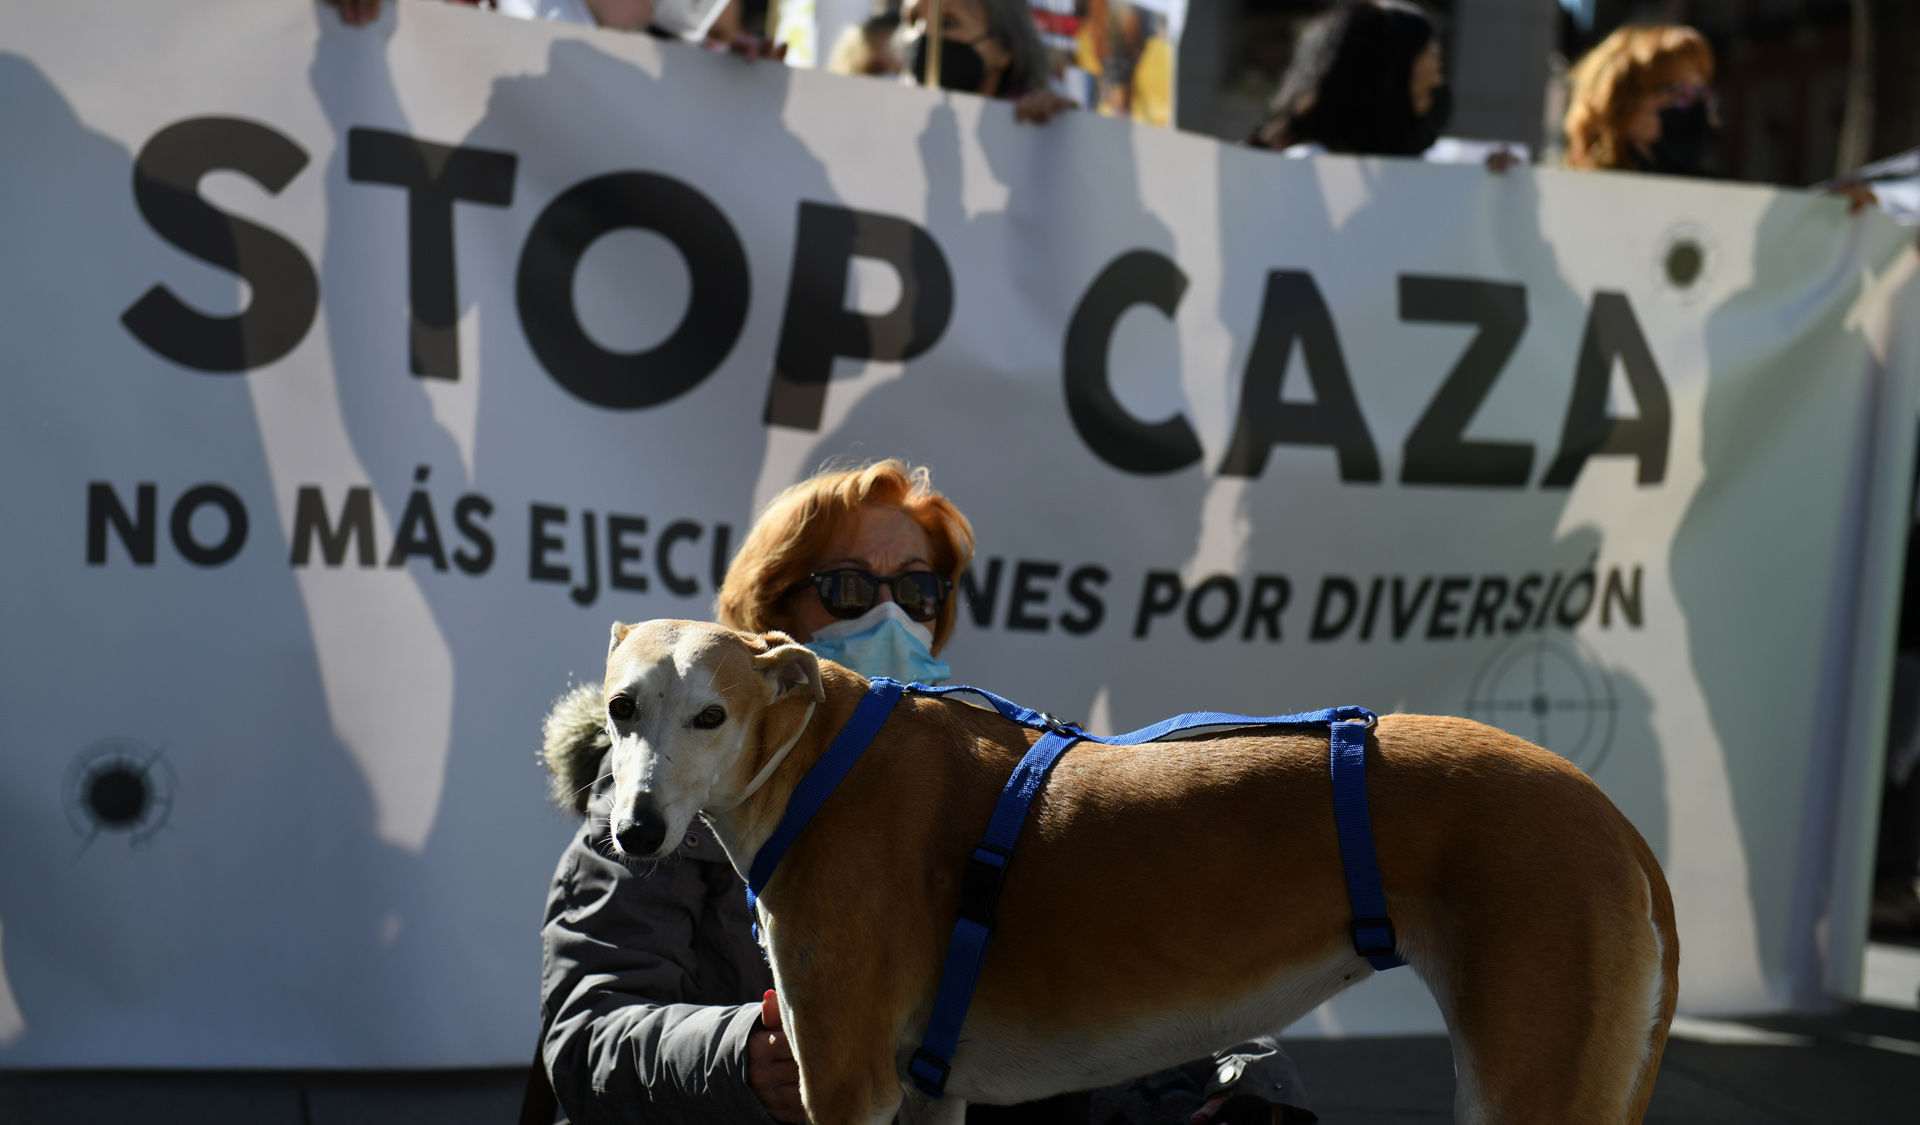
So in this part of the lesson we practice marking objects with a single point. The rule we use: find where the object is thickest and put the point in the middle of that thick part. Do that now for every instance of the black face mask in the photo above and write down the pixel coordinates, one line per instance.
(961, 67)
(1429, 126)
(1686, 138)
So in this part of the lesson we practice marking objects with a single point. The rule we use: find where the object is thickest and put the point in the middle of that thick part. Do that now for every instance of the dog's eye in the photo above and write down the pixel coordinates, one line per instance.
(710, 718)
(620, 707)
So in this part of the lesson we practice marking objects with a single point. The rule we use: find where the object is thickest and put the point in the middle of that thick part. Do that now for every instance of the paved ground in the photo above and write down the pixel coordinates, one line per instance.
(1857, 1067)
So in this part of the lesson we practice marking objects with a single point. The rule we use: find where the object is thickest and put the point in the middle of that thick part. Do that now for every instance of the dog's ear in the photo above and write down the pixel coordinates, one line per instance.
(792, 668)
(619, 634)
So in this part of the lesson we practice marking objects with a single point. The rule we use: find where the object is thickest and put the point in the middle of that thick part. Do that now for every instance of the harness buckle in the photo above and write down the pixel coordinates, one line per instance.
(980, 885)
(1058, 725)
(929, 1072)
(1373, 937)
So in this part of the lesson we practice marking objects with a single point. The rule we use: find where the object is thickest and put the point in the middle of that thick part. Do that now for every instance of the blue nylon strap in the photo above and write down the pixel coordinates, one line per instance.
(1195, 722)
(973, 932)
(819, 784)
(1373, 936)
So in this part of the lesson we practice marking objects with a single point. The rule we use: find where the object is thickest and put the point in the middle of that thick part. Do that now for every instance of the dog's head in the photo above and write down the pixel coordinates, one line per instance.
(698, 717)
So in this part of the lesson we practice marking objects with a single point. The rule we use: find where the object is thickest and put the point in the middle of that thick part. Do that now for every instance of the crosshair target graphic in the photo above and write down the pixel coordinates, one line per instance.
(118, 785)
(1550, 690)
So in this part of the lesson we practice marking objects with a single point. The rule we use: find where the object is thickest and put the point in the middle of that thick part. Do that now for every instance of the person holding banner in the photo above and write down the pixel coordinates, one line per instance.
(656, 1002)
(986, 47)
(1366, 79)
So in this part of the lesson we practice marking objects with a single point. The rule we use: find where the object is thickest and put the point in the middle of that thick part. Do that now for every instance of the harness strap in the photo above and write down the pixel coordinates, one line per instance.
(821, 780)
(980, 889)
(1373, 936)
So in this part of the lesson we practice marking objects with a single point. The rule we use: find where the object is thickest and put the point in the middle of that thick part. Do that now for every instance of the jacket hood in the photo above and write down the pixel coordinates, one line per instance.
(575, 744)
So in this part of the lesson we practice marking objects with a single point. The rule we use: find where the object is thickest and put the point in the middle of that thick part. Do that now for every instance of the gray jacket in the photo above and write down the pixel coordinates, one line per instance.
(652, 980)
(652, 984)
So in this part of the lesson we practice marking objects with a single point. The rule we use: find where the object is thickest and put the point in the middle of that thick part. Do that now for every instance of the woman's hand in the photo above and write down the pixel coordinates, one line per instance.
(1859, 196)
(1040, 106)
(771, 1071)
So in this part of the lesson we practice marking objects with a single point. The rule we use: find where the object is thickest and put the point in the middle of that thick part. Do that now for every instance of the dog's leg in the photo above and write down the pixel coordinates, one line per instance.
(843, 1019)
(918, 1109)
(1559, 1014)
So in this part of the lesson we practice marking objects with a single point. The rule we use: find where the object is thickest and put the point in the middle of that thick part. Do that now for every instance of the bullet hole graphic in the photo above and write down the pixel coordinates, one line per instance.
(1684, 261)
(120, 786)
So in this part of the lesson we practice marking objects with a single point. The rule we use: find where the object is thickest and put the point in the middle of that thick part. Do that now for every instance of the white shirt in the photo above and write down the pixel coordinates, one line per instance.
(560, 11)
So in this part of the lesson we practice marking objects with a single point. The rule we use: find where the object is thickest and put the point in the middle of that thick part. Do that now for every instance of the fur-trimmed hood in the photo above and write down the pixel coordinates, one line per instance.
(575, 744)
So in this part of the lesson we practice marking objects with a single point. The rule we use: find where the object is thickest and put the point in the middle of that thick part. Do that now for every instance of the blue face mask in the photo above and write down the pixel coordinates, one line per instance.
(883, 641)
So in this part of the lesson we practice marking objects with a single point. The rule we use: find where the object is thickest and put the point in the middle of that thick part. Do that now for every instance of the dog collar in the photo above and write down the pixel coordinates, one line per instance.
(773, 763)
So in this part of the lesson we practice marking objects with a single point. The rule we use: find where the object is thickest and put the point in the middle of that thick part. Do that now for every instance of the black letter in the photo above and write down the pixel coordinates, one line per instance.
(1445, 605)
(356, 526)
(585, 593)
(1271, 592)
(1629, 604)
(1024, 595)
(539, 543)
(1078, 588)
(1138, 277)
(1294, 310)
(286, 295)
(1612, 332)
(818, 326)
(1373, 608)
(663, 557)
(1522, 604)
(1560, 614)
(1435, 453)
(1404, 614)
(1546, 603)
(716, 307)
(1161, 595)
(419, 532)
(463, 518)
(1332, 584)
(980, 600)
(434, 176)
(135, 534)
(1486, 608)
(722, 553)
(1208, 630)
(619, 553)
(181, 525)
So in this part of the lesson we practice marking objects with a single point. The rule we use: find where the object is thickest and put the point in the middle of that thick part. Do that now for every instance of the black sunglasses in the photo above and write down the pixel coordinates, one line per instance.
(847, 593)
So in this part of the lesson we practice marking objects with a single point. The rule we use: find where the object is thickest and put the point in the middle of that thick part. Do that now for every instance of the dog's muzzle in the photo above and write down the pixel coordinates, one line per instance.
(642, 833)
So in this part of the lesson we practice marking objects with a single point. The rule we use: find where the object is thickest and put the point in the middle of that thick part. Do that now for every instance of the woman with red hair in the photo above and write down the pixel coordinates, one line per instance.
(1643, 101)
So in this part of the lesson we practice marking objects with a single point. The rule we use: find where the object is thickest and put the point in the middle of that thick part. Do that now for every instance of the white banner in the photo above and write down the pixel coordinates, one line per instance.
(357, 379)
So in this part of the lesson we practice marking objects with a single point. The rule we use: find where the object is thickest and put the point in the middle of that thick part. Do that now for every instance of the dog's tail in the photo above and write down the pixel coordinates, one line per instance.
(1665, 990)
(575, 744)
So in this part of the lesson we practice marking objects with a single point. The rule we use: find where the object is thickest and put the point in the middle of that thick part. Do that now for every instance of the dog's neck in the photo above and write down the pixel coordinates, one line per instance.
(746, 826)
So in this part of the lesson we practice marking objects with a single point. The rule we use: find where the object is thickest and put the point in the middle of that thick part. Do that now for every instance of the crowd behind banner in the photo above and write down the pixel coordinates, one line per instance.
(360, 375)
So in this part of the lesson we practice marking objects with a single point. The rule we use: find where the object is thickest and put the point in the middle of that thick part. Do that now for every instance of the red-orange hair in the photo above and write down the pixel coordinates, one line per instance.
(801, 524)
(1608, 83)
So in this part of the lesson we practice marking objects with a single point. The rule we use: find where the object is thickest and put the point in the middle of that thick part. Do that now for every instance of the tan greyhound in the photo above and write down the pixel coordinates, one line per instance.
(1167, 900)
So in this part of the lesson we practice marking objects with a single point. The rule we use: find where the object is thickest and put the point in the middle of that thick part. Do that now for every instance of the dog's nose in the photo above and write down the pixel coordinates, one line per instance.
(642, 833)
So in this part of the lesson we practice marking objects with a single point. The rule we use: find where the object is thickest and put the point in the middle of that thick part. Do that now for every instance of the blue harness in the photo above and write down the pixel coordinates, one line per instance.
(1372, 932)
